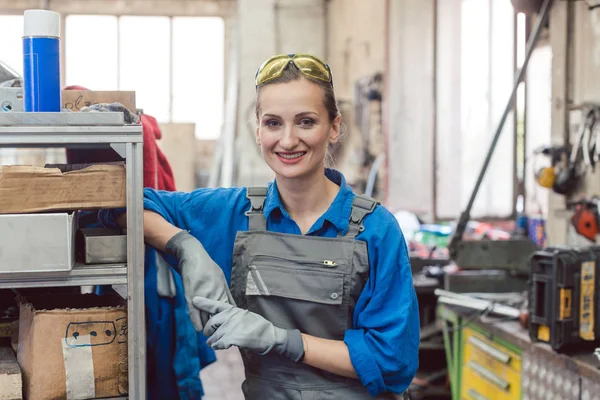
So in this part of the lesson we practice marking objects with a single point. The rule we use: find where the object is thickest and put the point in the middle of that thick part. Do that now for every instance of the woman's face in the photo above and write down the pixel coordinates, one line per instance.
(294, 128)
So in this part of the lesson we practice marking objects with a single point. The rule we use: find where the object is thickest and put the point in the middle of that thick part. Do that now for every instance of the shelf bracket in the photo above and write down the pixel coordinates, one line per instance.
(119, 148)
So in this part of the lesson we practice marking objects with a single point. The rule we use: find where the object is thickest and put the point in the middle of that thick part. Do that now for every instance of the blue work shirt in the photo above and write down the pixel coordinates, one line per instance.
(384, 342)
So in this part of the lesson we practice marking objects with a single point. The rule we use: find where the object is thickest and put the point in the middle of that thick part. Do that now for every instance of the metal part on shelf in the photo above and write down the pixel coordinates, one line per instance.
(133, 272)
(11, 99)
(106, 274)
(101, 246)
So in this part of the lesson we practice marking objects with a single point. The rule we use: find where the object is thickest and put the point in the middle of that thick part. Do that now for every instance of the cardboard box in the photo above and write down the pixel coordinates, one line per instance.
(75, 353)
(26, 189)
(37, 242)
(75, 100)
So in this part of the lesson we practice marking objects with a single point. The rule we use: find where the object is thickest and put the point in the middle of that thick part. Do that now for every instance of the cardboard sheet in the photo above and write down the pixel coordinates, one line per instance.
(75, 100)
(26, 189)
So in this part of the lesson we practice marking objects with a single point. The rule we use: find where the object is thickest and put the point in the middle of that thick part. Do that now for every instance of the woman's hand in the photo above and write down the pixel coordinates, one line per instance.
(200, 274)
(233, 326)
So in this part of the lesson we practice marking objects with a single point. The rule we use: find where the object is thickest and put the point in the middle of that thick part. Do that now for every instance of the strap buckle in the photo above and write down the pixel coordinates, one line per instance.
(361, 206)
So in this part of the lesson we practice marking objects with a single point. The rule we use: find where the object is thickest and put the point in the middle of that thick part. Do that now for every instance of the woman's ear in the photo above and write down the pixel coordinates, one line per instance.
(334, 133)
(257, 136)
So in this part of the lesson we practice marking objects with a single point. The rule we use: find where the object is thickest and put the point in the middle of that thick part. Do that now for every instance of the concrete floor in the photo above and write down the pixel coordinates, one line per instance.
(223, 379)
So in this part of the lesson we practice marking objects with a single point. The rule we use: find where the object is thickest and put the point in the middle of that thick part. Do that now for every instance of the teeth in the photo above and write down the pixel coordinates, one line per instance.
(291, 156)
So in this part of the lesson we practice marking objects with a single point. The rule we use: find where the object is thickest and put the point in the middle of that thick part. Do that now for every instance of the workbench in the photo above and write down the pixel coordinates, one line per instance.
(494, 359)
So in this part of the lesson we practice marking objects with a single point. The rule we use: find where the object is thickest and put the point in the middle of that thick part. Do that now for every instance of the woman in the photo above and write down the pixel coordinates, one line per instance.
(322, 304)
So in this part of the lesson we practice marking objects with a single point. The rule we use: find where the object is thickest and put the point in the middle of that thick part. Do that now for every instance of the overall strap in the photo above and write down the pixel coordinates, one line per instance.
(361, 207)
(256, 218)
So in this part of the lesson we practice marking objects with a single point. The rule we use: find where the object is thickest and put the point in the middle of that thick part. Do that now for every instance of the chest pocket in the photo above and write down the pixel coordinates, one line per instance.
(301, 293)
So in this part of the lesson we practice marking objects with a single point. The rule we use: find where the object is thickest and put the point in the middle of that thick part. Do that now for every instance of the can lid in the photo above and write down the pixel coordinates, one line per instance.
(41, 23)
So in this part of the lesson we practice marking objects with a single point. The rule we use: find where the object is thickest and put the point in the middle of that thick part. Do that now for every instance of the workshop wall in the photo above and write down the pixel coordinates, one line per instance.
(355, 51)
(585, 84)
(267, 27)
(575, 40)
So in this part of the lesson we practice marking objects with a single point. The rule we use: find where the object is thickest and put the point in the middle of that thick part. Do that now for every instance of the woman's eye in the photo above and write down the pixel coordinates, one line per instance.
(306, 122)
(272, 123)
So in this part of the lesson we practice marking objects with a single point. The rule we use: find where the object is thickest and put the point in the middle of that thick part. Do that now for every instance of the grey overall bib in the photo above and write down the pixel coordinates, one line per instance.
(300, 282)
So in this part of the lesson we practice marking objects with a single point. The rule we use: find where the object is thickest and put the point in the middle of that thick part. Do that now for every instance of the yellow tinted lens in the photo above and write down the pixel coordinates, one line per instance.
(313, 67)
(271, 69)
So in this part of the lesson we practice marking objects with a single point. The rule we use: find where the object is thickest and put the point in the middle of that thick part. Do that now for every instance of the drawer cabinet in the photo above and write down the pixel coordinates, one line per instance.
(490, 371)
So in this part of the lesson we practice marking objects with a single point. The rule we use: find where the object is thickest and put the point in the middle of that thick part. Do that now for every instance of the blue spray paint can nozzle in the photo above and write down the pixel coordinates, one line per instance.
(41, 61)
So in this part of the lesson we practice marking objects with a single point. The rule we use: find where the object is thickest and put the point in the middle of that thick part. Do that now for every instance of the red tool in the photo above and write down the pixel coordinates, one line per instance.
(585, 219)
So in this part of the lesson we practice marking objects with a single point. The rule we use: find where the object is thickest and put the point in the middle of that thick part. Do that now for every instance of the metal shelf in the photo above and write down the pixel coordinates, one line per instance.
(15, 136)
(80, 275)
(128, 141)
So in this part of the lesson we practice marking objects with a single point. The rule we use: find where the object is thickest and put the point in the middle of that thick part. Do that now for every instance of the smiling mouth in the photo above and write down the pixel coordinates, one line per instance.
(291, 156)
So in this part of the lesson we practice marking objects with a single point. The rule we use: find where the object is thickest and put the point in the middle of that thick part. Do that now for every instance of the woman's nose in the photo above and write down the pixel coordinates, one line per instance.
(288, 140)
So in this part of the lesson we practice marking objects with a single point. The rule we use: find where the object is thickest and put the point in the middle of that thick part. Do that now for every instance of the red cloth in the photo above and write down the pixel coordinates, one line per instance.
(157, 170)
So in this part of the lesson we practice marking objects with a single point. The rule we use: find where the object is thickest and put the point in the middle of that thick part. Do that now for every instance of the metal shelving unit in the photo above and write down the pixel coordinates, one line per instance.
(127, 140)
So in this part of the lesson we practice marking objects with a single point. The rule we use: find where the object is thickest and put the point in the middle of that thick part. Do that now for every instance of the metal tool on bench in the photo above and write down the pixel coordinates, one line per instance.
(460, 300)
(505, 254)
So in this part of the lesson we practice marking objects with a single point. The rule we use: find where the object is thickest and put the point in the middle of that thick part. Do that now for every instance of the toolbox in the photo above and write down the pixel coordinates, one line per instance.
(563, 296)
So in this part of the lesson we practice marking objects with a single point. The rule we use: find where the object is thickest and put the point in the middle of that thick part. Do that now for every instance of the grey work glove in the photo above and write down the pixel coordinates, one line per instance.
(200, 274)
(233, 326)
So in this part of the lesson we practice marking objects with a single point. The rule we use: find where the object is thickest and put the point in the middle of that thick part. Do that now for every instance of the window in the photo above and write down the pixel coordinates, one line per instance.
(11, 44)
(91, 58)
(144, 63)
(177, 76)
(198, 74)
(472, 94)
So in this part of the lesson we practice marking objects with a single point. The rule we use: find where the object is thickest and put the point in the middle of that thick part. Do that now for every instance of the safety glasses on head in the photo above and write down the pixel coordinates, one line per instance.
(308, 65)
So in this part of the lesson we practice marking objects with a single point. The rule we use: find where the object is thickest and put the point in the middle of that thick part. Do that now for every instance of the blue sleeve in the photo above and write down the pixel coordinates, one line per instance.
(168, 204)
(213, 216)
(384, 343)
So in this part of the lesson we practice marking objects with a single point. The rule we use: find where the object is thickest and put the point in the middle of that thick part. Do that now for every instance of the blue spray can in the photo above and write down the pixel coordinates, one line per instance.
(41, 61)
